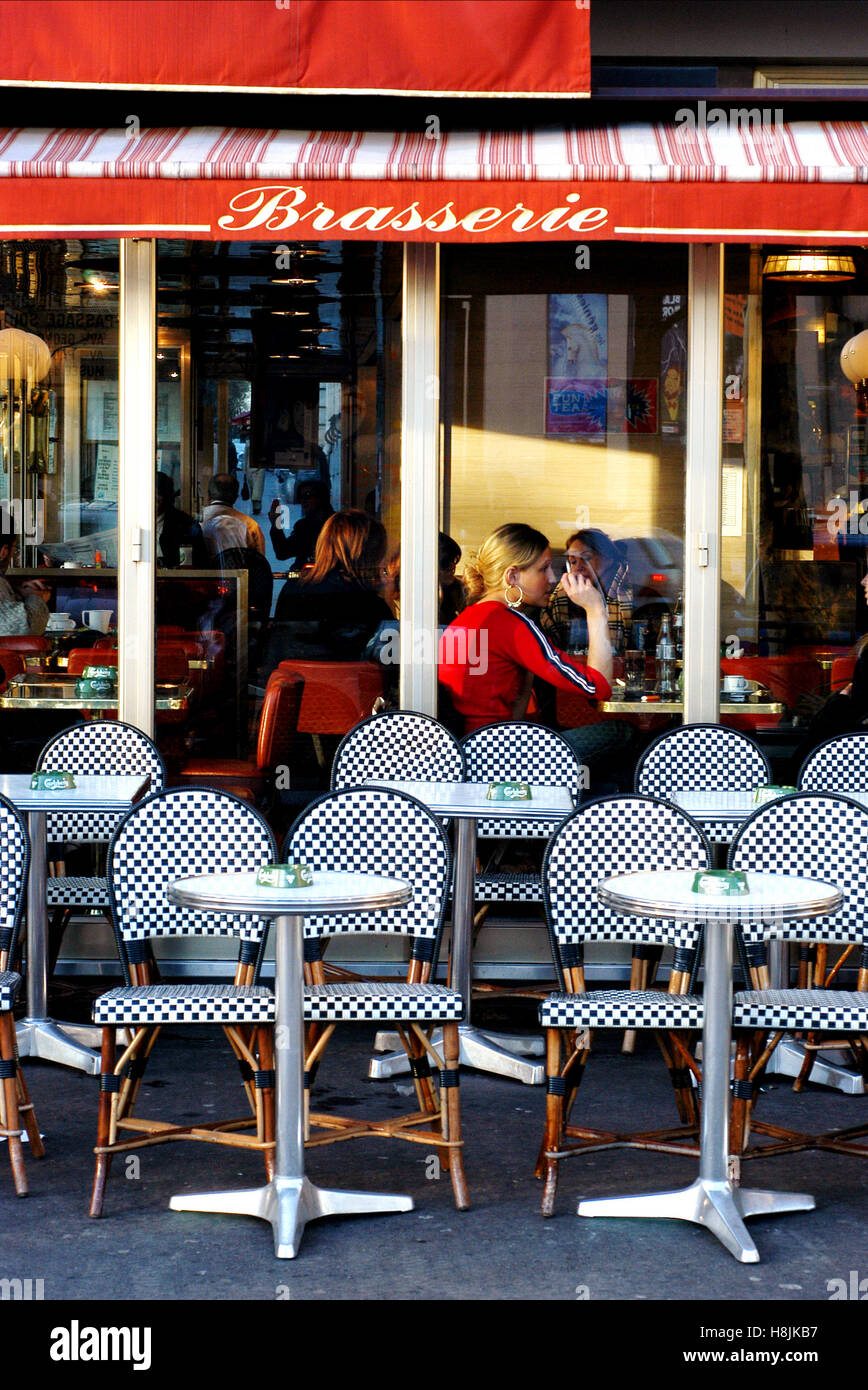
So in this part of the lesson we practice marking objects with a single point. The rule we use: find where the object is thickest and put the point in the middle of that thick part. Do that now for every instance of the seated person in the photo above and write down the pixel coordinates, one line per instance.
(300, 545)
(334, 609)
(591, 553)
(490, 653)
(451, 594)
(223, 526)
(176, 530)
(23, 608)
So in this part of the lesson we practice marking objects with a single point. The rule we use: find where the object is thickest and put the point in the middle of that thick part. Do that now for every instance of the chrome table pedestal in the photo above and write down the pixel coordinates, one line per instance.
(714, 1200)
(290, 1200)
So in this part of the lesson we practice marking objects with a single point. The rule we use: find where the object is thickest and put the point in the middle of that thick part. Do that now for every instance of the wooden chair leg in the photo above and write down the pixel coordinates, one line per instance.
(265, 1094)
(27, 1116)
(8, 1073)
(554, 1129)
(742, 1091)
(103, 1131)
(450, 1115)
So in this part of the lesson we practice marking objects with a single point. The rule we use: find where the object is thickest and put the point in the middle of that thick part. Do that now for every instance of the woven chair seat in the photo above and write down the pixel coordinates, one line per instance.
(363, 1001)
(506, 887)
(216, 1003)
(9, 986)
(73, 891)
(809, 1010)
(622, 1008)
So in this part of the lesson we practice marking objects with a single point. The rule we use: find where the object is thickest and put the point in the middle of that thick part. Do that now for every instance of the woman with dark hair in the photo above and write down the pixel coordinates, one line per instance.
(336, 606)
(490, 653)
(590, 552)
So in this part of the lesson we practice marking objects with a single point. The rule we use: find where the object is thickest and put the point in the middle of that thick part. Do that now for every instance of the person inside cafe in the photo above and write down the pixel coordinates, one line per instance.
(333, 610)
(179, 537)
(843, 712)
(491, 652)
(23, 608)
(590, 552)
(300, 545)
(451, 594)
(224, 527)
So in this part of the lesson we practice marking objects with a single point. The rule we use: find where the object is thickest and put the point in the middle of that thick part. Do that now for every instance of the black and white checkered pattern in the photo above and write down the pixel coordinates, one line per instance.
(838, 765)
(14, 868)
(376, 831)
(701, 756)
(71, 890)
(812, 1010)
(101, 748)
(518, 751)
(376, 1002)
(622, 1008)
(153, 1004)
(400, 746)
(815, 835)
(175, 834)
(9, 986)
(616, 835)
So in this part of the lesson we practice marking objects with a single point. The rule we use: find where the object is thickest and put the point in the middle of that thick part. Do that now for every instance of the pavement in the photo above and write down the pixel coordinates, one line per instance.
(501, 1250)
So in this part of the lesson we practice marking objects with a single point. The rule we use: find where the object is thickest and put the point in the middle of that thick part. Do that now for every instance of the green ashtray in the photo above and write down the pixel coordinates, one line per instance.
(720, 883)
(284, 876)
(96, 685)
(509, 791)
(766, 793)
(52, 782)
(100, 673)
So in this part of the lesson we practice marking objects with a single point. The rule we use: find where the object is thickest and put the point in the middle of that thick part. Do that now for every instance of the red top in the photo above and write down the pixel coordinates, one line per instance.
(485, 654)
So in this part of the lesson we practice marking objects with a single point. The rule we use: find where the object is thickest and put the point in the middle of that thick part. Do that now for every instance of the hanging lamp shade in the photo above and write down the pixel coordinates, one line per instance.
(810, 266)
(854, 357)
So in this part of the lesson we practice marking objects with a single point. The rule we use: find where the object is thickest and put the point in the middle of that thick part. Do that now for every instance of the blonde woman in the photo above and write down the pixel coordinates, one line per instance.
(490, 653)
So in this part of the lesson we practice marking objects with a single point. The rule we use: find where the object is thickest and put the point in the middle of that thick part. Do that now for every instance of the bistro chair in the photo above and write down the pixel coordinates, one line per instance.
(174, 834)
(373, 830)
(256, 779)
(99, 748)
(15, 1104)
(400, 745)
(824, 836)
(337, 695)
(839, 764)
(614, 835)
(707, 756)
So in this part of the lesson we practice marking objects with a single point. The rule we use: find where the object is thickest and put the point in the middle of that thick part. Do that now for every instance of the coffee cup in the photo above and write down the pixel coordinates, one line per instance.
(97, 618)
(60, 622)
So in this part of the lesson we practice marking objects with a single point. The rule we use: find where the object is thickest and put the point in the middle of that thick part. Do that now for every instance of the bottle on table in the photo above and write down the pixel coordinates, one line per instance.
(667, 663)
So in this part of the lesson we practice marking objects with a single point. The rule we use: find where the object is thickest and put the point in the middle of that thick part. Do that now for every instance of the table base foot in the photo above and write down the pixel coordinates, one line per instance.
(720, 1206)
(491, 1052)
(289, 1204)
(42, 1037)
(788, 1059)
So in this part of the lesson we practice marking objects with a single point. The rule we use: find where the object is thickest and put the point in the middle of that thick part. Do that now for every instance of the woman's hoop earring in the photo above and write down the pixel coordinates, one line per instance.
(513, 603)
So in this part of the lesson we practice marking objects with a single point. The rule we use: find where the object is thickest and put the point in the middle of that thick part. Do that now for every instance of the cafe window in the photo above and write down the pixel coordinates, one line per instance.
(58, 484)
(564, 400)
(286, 412)
(795, 497)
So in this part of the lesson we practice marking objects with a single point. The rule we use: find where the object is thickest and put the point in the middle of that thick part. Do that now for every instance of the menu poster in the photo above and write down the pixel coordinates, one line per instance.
(105, 482)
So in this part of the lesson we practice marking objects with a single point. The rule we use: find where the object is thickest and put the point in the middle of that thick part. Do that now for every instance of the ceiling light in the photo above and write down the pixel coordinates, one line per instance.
(810, 266)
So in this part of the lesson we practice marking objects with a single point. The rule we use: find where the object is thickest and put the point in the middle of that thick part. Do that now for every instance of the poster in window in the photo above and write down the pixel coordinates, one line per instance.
(673, 379)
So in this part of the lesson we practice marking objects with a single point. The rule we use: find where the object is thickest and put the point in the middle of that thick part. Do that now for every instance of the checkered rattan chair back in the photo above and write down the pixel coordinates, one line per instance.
(400, 745)
(701, 756)
(615, 835)
(839, 764)
(102, 748)
(816, 835)
(14, 866)
(376, 831)
(518, 751)
(175, 834)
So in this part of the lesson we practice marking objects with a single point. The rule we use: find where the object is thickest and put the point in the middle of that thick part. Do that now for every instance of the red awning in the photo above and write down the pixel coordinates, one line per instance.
(643, 181)
(387, 47)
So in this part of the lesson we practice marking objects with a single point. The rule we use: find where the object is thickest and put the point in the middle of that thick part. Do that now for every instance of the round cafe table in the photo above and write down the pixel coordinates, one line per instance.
(714, 1199)
(290, 1200)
